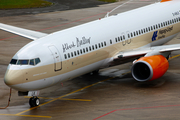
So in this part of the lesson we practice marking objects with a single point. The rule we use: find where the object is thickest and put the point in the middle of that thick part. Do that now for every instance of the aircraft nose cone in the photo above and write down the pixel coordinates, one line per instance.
(12, 77)
(8, 78)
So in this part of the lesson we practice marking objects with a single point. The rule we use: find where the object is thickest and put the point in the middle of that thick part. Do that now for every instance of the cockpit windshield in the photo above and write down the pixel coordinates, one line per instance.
(25, 61)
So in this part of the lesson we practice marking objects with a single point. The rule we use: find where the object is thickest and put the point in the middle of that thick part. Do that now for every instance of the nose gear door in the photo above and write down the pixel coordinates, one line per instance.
(56, 57)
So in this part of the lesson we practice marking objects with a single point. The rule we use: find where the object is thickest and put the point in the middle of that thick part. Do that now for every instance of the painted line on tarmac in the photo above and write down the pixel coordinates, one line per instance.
(86, 100)
(27, 115)
(174, 57)
(58, 25)
(141, 108)
(63, 96)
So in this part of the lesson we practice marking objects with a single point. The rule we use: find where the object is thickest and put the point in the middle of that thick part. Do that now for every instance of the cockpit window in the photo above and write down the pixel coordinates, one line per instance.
(37, 60)
(22, 62)
(13, 61)
(31, 62)
(25, 62)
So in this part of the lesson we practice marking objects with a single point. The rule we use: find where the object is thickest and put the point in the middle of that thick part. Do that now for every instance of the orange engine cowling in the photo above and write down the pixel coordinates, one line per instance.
(149, 68)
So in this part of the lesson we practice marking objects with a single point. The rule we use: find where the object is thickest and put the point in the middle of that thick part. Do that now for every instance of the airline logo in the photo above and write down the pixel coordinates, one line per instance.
(154, 36)
(162, 33)
(78, 43)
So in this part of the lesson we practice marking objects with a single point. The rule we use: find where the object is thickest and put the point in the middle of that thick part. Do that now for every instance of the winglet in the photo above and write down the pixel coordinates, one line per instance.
(165, 0)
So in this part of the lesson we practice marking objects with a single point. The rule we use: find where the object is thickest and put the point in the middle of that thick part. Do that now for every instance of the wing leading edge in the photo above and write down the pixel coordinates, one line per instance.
(30, 34)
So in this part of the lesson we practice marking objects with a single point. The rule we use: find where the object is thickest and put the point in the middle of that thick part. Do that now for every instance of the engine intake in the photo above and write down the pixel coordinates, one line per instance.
(149, 68)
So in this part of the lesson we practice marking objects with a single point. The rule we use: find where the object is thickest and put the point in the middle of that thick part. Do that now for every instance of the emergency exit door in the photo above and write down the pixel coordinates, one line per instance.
(57, 58)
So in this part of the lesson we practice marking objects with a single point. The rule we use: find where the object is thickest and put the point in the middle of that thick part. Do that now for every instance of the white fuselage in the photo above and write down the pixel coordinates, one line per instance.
(82, 49)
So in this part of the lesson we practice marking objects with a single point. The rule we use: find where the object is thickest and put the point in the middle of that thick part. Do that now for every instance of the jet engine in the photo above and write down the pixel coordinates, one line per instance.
(149, 68)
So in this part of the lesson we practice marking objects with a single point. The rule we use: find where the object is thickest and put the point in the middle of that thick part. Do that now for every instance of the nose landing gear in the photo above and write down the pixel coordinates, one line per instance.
(34, 101)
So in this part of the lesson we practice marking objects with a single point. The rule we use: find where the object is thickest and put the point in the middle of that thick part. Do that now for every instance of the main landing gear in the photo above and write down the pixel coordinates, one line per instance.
(34, 101)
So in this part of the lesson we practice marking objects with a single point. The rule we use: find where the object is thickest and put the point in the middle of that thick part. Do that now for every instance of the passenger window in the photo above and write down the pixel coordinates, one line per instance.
(134, 34)
(71, 54)
(81, 51)
(32, 61)
(174, 20)
(131, 35)
(177, 19)
(13, 61)
(99, 45)
(75, 53)
(84, 50)
(78, 52)
(116, 39)
(121, 38)
(110, 41)
(64, 57)
(93, 47)
(168, 22)
(149, 28)
(96, 46)
(154, 27)
(104, 43)
(37, 60)
(159, 25)
(146, 30)
(68, 55)
(139, 32)
(90, 48)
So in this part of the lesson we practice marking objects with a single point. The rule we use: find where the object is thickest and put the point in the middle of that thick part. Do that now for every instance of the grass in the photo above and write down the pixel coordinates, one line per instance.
(12, 4)
(110, 1)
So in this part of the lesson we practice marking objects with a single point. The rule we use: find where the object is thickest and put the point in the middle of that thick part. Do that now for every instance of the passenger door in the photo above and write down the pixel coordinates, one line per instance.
(56, 57)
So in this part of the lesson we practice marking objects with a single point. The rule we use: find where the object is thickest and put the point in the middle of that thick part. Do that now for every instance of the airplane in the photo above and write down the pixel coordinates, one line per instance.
(137, 35)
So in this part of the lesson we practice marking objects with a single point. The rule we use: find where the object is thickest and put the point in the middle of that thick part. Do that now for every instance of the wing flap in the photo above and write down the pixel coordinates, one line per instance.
(30, 34)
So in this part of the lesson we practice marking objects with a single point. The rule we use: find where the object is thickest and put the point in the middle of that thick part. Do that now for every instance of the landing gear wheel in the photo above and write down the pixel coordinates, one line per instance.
(34, 101)
(95, 72)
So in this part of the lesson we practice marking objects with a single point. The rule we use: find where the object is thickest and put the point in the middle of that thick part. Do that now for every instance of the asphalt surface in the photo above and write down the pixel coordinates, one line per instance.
(111, 95)
(58, 5)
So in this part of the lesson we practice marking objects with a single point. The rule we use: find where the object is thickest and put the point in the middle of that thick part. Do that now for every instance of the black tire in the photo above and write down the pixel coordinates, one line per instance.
(34, 101)
(31, 103)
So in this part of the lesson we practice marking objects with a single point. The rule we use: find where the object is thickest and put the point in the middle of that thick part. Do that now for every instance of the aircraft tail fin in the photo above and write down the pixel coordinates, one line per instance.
(165, 0)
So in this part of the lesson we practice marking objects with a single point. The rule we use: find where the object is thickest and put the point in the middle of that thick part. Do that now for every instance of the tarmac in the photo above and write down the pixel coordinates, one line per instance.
(112, 94)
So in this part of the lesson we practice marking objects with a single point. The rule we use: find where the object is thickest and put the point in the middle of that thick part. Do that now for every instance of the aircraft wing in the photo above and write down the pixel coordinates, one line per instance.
(126, 56)
(30, 34)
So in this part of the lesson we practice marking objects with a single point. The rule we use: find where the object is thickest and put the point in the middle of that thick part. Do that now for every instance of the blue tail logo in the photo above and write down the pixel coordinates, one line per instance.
(154, 36)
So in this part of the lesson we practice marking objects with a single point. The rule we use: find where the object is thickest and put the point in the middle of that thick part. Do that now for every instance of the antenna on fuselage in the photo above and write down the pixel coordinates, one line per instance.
(107, 15)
